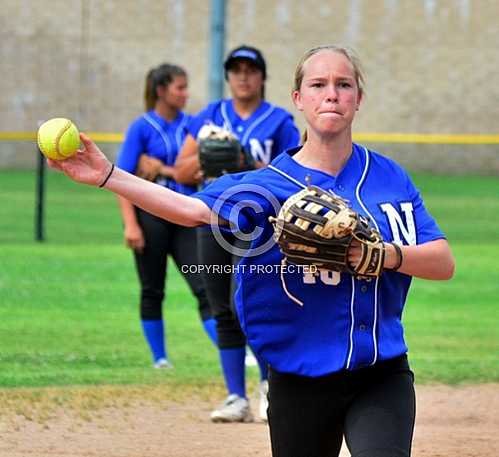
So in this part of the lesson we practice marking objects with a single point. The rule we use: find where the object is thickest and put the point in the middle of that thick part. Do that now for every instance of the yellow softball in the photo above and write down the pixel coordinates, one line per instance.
(58, 138)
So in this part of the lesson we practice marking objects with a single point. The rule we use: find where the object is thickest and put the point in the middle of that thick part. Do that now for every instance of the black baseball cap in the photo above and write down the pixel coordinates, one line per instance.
(248, 53)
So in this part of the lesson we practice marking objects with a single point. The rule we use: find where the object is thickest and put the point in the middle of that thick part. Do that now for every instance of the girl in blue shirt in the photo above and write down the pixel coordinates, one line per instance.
(150, 148)
(264, 130)
(334, 343)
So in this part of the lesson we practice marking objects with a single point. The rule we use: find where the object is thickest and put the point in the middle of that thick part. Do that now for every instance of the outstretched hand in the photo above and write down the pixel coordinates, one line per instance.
(88, 166)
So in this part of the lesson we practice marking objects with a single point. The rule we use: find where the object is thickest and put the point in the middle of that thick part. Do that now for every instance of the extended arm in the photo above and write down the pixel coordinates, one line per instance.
(172, 206)
(90, 166)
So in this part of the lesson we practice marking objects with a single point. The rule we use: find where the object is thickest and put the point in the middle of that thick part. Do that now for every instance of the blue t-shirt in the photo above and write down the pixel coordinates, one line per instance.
(266, 133)
(344, 322)
(152, 135)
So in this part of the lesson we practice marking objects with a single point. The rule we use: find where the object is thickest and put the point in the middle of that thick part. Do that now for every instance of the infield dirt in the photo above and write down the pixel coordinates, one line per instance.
(451, 421)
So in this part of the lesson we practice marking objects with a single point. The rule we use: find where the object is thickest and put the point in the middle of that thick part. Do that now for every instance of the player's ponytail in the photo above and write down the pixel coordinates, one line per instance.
(162, 75)
(149, 99)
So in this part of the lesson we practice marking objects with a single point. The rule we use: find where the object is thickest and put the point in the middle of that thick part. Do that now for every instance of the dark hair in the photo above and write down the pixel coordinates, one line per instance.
(161, 75)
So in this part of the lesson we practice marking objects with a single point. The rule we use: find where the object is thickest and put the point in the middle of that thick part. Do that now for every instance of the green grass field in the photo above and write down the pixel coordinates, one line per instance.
(69, 314)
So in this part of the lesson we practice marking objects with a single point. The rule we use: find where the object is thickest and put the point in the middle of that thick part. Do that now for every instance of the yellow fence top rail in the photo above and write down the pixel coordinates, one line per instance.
(426, 138)
(420, 138)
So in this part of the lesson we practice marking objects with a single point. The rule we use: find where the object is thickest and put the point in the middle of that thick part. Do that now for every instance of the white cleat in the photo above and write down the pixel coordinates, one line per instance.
(263, 390)
(163, 364)
(250, 360)
(233, 409)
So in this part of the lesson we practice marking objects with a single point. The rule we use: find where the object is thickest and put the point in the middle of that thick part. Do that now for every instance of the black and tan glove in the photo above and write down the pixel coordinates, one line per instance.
(317, 228)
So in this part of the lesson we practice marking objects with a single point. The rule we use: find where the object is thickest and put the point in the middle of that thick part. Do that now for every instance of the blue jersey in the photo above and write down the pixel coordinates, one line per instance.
(344, 322)
(152, 135)
(266, 133)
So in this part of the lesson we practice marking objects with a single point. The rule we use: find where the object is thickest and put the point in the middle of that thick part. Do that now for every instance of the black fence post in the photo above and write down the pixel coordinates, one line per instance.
(40, 197)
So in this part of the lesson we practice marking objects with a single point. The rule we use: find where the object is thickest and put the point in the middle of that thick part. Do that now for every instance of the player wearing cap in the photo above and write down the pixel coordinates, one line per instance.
(264, 130)
(338, 362)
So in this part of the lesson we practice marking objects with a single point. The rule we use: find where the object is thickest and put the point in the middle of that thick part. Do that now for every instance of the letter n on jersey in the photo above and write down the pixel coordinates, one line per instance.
(401, 228)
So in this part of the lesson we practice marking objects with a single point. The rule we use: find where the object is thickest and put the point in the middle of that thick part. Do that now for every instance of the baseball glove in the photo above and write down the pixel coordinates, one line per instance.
(317, 228)
(219, 151)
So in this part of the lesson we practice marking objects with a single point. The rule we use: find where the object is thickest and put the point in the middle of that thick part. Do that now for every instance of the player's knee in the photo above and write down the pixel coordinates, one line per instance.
(151, 310)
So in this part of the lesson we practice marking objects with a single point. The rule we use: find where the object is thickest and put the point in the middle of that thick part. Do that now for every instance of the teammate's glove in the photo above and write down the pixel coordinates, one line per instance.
(148, 167)
(317, 228)
(219, 151)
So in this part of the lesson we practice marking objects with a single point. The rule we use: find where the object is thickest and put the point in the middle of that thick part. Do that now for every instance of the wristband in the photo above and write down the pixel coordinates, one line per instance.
(400, 257)
(108, 176)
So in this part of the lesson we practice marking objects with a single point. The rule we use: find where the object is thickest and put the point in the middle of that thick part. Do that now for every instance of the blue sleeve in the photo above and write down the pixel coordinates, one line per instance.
(238, 199)
(132, 147)
(287, 136)
(427, 227)
(199, 120)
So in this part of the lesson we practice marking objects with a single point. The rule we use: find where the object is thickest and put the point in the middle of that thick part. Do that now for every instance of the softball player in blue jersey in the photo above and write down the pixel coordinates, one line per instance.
(264, 130)
(151, 144)
(335, 344)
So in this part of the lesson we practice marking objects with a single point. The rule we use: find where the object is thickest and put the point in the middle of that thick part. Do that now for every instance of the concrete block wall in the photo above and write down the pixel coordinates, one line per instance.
(430, 65)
